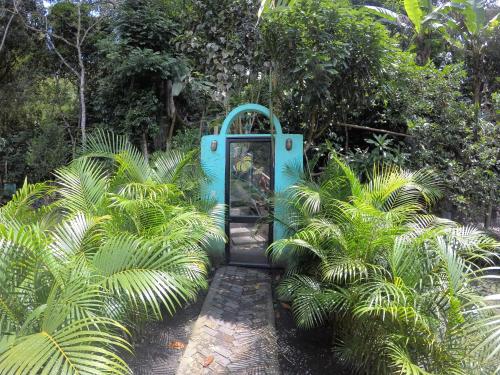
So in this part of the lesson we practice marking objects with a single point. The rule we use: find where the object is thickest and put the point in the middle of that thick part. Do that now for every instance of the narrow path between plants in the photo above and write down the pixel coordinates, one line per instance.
(235, 332)
(159, 345)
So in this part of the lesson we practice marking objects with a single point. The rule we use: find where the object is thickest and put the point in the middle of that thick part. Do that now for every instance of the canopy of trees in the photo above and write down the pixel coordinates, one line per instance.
(165, 72)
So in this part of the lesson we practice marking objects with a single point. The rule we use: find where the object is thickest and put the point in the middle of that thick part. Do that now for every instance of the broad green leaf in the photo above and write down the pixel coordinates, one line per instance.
(493, 23)
(266, 5)
(414, 13)
(383, 12)
(470, 18)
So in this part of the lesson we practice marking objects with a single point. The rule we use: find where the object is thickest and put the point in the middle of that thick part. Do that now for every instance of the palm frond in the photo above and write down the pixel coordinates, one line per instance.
(76, 300)
(83, 346)
(83, 185)
(170, 165)
(80, 234)
(402, 362)
(487, 328)
(117, 241)
(21, 206)
(136, 269)
(311, 304)
(130, 161)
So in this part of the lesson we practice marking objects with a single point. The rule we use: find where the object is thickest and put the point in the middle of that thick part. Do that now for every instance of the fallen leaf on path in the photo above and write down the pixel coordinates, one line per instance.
(208, 360)
(176, 345)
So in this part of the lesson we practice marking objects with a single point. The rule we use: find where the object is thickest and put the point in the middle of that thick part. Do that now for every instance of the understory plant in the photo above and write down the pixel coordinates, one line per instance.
(111, 242)
(395, 283)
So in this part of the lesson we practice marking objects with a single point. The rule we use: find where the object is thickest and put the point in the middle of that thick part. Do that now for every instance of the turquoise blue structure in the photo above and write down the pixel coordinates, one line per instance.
(288, 151)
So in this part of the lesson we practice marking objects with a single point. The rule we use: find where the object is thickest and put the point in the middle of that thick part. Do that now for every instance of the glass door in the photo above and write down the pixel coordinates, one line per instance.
(250, 184)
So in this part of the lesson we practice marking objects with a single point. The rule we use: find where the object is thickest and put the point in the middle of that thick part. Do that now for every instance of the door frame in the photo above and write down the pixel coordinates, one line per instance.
(245, 219)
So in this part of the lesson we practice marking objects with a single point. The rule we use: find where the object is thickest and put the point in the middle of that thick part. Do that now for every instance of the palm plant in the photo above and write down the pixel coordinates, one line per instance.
(423, 19)
(474, 31)
(395, 282)
(117, 242)
(463, 23)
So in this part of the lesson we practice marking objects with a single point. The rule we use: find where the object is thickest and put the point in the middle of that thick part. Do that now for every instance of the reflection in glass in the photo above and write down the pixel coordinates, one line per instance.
(250, 178)
(248, 242)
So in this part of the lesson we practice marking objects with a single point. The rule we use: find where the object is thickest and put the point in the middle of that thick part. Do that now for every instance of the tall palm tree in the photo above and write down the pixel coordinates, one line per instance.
(395, 282)
(115, 243)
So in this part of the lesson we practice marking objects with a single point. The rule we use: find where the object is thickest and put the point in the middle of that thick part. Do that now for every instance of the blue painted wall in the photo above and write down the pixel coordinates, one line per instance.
(214, 165)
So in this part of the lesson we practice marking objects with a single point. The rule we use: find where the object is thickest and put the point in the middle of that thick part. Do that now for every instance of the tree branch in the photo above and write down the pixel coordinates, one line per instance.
(98, 19)
(86, 32)
(6, 31)
(374, 129)
(46, 31)
(57, 37)
(64, 61)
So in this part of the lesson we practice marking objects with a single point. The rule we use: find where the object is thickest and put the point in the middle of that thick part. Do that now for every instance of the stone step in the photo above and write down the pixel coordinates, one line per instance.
(240, 230)
(247, 240)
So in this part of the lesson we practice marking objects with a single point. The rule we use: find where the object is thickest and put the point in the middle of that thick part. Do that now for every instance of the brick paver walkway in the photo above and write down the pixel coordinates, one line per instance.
(234, 333)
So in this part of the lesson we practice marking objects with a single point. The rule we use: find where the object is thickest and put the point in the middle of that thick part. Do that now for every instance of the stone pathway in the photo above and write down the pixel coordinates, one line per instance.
(153, 351)
(235, 332)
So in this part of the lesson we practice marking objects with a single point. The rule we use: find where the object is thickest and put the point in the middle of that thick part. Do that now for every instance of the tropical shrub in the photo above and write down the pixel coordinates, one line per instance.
(51, 107)
(465, 154)
(221, 40)
(382, 149)
(328, 60)
(116, 241)
(394, 281)
(141, 75)
(446, 136)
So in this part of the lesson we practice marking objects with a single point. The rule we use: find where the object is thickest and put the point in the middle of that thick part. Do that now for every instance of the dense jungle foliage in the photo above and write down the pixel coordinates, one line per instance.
(102, 101)
(166, 72)
(113, 242)
(395, 283)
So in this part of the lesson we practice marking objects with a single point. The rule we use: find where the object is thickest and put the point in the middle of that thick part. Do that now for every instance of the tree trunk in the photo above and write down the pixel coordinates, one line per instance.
(476, 84)
(487, 218)
(346, 138)
(423, 50)
(171, 111)
(312, 131)
(2, 181)
(144, 145)
(477, 91)
(170, 133)
(160, 139)
(489, 210)
(473, 50)
(83, 107)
